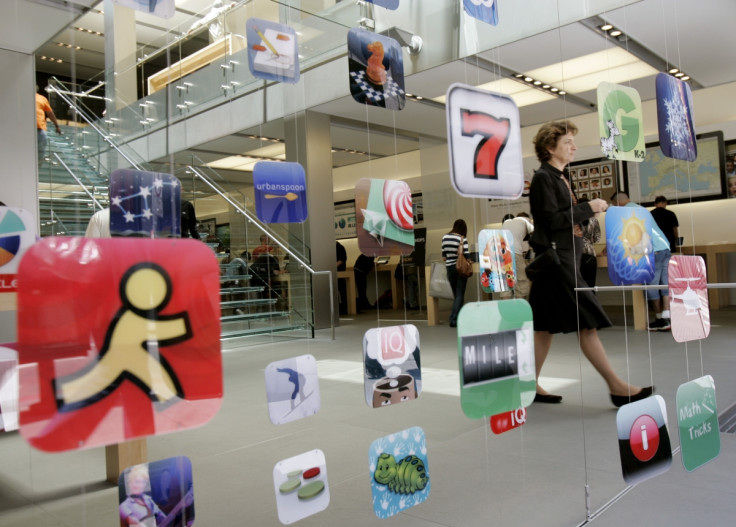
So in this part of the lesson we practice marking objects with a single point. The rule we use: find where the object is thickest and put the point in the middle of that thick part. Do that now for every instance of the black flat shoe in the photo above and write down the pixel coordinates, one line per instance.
(547, 398)
(620, 400)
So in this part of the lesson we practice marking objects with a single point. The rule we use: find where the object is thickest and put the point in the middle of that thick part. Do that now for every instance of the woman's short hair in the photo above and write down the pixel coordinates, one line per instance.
(460, 227)
(548, 135)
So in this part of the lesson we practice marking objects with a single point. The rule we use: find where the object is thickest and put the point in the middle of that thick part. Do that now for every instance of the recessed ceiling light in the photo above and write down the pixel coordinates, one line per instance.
(674, 70)
(679, 74)
(519, 75)
(537, 83)
(563, 92)
(615, 33)
(685, 78)
(528, 79)
(606, 27)
(546, 86)
(419, 97)
(555, 90)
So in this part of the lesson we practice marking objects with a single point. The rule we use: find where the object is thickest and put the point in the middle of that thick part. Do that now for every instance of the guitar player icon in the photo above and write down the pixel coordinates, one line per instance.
(131, 347)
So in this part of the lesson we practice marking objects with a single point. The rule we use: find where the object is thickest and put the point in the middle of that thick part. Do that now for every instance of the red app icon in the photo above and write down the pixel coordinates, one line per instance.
(506, 421)
(135, 350)
(644, 438)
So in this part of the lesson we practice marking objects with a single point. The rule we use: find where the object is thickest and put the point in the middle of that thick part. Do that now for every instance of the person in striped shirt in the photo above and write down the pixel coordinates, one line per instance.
(450, 246)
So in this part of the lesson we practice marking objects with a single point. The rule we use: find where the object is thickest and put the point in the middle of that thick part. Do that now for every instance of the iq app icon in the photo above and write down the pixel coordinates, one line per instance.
(643, 441)
(484, 142)
(280, 192)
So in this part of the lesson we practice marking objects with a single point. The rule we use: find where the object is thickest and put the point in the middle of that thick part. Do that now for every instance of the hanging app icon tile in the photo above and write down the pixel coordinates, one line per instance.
(159, 8)
(157, 493)
(376, 68)
(388, 4)
(497, 260)
(301, 486)
(385, 217)
(643, 440)
(399, 472)
(9, 389)
(496, 355)
(484, 140)
(145, 204)
(17, 234)
(485, 10)
(280, 192)
(629, 246)
(697, 420)
(675, 118)
(688, 298)
(273, 51)
(506, 421)
(136, 349)
(391, 360)
(292, 389)
(621, 122)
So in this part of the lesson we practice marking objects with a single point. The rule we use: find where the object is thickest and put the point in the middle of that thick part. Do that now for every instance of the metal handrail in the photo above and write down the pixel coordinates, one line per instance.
(79, 182)
(254, 221)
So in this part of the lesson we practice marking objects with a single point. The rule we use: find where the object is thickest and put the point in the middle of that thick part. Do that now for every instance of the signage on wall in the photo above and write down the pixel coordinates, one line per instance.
(376, 67)
(675, 118)
(496, 356)
(620, 122)
(280, 192)
(273, 51)
(484, 141)
(17, 234)
(144, 360)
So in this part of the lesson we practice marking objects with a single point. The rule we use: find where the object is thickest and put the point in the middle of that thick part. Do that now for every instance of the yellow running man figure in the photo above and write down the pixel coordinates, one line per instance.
(130, 350)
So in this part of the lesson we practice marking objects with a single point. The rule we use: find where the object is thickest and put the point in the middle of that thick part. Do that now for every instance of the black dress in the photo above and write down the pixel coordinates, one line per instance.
(556, 306)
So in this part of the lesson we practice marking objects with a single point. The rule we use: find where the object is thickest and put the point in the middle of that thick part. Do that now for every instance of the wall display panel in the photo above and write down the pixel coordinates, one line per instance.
(136, 349)
(629, 247)
(345, 224)
(643, 439)
(157, 494)
(679, 181)
(697, 420)
(496, 357)
(385, 219)
(392, 365)
(376, 66)
(17, 234)
(292, 389)
(688, 287)
(399, 472)
(497, 260)
(593, 179)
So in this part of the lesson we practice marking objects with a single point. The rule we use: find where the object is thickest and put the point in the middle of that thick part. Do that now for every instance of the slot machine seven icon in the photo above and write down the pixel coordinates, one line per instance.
(496, 356)
(134, 352)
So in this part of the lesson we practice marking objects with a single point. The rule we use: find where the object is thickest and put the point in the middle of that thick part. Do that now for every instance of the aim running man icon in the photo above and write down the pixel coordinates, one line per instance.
(130, 350)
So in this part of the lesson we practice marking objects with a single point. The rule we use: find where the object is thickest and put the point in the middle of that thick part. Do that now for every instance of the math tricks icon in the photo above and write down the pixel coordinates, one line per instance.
(292, 389)
(273, 51)
(136, 349)
(376, 67)
(484, 141)
(280, 192)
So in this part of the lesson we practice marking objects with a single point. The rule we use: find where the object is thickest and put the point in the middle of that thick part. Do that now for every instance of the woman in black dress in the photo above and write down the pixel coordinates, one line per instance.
(556, 307)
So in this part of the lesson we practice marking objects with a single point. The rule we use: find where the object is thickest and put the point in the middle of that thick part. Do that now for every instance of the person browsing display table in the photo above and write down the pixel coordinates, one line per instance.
(556, 306)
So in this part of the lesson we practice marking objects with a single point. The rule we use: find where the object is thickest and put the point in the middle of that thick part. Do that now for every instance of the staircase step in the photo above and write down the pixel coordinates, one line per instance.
(260, 331)
(254, 316)
(251, 302)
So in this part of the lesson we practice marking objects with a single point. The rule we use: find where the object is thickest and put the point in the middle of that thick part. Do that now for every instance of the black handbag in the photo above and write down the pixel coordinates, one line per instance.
(543, 262)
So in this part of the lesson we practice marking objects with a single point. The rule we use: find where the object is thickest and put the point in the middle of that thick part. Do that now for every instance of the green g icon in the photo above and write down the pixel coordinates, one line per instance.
(621, 122)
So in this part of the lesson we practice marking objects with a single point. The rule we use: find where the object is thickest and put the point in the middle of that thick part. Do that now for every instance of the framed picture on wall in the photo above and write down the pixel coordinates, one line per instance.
(209, 226)
(731, 169)
(345, 224)
(594, 178)
(679, 181)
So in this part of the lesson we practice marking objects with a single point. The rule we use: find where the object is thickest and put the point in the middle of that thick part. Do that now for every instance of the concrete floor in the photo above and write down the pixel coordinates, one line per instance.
(535, 475)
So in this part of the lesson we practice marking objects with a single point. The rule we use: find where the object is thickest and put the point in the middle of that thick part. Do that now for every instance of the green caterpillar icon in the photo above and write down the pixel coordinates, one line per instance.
(405, 477)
